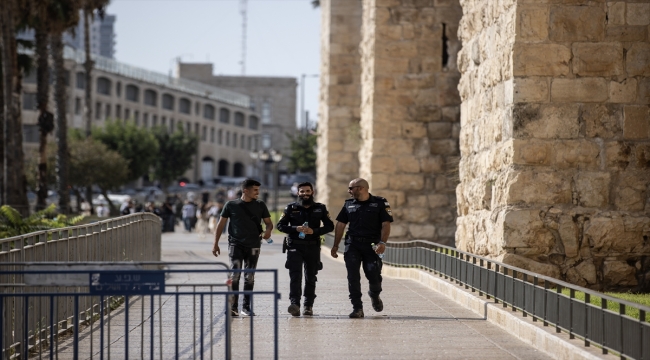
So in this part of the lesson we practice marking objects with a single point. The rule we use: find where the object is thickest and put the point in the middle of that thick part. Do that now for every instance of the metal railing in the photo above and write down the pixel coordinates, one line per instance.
(134, 237)
(536, 295)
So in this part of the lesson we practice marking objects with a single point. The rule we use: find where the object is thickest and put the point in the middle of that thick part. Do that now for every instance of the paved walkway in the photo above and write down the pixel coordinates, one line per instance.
(417, 323)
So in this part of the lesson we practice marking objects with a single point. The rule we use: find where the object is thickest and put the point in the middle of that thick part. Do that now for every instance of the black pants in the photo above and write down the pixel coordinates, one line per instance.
(299, 256)
(246, 256)
(356, 254)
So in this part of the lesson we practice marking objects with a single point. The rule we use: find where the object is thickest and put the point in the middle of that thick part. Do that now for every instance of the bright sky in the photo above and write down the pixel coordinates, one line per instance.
(283, 37)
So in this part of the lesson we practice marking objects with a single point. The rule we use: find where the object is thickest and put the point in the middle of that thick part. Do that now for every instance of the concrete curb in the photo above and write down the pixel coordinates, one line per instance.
(543, 338)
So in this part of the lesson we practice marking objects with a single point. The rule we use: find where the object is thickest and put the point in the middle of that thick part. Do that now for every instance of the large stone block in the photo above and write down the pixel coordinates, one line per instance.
(597, 59)
(615, 13)
(530, 187)
(525, 229)
(637, 59)
(638, 13)
(619, 273)
(623, 92)
(626, 33)
(577, 23)
(631, 191)
(592, 189)
(579, 90)
(534, 89)
(541, 60)
(546, 121)
(568, 231)
(603, 120)
(532, 23)
(422, 231)
(643, 92)
(527, 152)
(576, 154)
(617, 155)
(406, 182)
(637, 122)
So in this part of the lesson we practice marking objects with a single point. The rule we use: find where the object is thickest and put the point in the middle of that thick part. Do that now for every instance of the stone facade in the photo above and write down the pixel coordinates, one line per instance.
(390, 109)
(555, 138)
(340, 99)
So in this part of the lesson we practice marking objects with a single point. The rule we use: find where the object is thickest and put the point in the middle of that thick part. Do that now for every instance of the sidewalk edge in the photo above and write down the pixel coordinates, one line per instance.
(543, 338)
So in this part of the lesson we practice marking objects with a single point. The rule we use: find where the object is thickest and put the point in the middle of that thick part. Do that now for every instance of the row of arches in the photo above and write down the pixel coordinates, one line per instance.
(169, 102)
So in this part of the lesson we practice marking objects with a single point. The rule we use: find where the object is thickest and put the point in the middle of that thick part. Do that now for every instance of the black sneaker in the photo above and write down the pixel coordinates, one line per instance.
(294, 309)
(357, 313)
(377, 304)
(234, 312)
(309, 311)
(247, 311)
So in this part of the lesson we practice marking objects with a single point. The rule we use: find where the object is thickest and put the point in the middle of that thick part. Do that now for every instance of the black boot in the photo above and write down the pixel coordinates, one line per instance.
(356, 313)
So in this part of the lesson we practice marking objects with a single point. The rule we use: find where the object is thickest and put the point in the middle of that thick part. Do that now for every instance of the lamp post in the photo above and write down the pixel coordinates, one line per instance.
(274, 157)
(303, 118)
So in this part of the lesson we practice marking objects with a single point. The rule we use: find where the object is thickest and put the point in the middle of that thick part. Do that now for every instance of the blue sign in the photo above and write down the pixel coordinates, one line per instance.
(127, 282)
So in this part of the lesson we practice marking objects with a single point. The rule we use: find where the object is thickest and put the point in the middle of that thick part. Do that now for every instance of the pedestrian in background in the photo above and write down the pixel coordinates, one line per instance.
(369, 217)
(245, 236)
(303, 245)
(188, 213)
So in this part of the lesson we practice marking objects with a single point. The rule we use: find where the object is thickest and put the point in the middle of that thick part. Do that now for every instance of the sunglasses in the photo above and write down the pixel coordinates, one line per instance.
(352, 187)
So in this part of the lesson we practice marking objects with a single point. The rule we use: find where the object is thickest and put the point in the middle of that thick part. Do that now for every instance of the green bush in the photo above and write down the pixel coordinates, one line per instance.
(13, 224)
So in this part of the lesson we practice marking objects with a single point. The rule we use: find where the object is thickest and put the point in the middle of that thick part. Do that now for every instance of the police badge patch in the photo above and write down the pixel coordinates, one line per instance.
(388, 211)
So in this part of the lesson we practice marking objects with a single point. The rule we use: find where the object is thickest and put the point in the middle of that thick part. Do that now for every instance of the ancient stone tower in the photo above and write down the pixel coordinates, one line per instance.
(390, 109)
(553, 132)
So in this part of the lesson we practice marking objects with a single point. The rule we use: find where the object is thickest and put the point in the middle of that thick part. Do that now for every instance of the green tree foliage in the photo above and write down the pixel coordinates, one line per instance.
(32, 159)
(175, 154)
(136, 145)
(13, 224)
(303, 153)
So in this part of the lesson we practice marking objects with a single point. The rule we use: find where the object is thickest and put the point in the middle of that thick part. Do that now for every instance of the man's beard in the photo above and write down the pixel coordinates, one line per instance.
(306, 202)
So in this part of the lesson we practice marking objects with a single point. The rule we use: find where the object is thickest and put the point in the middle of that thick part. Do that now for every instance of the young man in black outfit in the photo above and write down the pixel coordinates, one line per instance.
(369, 218)
(305, 251)
(244, 238)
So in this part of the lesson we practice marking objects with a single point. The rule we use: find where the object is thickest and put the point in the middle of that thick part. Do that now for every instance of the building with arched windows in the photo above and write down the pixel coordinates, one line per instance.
(227, 128)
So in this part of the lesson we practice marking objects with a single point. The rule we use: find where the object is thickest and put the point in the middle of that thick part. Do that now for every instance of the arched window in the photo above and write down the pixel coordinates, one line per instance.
(167, 102)
(224, 116)
(132, 93)
(150, 97)
(103, 86)
(253, 122)
(207, 168)
(223, 167)
(208, 111)
(238, 169)
(239, 119)
(185, 106)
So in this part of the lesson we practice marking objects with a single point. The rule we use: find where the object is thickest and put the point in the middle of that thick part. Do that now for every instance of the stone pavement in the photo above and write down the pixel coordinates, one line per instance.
(417, 323)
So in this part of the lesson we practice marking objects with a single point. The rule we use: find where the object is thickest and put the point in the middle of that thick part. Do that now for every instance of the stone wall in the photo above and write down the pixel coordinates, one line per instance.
(555, 138)
(410, 113)
(340, 98)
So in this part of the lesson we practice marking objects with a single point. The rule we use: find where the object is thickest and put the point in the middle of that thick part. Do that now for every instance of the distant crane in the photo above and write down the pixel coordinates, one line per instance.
(243, 5)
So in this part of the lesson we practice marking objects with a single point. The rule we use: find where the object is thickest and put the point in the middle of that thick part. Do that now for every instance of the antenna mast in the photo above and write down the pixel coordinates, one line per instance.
(243, 4)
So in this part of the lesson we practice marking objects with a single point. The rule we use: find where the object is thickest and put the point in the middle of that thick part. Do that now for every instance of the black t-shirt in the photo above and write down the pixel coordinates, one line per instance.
(242, 229)
(365, 217)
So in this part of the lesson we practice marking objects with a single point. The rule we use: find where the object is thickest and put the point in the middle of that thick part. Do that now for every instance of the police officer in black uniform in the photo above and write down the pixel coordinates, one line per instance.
(306, 251)
(369, 217)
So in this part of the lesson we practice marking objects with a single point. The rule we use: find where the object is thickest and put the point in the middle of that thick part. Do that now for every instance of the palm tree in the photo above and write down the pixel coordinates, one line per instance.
(15, 189)
(89, 8)
(67, 12)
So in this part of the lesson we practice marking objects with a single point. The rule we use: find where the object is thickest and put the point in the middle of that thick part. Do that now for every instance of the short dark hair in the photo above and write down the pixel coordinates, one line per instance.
(306, 183)
(249, 183)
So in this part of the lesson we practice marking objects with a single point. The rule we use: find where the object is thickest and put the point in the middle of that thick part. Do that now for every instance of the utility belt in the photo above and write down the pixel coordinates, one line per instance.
(288, 242)
(364, 239)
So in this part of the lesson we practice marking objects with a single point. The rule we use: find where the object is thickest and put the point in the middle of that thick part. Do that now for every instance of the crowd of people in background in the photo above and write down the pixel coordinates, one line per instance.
(198, 214)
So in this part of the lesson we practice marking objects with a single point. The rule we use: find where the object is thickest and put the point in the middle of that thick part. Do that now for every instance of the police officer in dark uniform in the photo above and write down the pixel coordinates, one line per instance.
(369, 217)
(304, 251)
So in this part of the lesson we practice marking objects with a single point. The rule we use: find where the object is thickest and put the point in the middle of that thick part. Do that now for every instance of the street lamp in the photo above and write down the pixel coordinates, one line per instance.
(303, 118)
(270, 156)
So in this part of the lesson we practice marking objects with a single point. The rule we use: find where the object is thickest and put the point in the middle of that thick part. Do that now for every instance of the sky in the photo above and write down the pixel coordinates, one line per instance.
(283, 38)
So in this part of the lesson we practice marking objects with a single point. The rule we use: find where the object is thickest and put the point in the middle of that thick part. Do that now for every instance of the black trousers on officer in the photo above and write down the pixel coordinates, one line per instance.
(243, 257)
(301, 256)
(356, 254)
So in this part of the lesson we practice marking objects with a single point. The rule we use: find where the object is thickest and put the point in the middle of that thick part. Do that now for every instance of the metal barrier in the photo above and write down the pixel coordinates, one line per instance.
(535, 295)
(134, 237)
(124, 310)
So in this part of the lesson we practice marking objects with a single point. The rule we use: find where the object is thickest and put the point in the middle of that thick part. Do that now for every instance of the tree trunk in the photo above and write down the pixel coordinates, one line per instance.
(3, 195)
(113, 210)
(88, 66)
(60, 97)
(15, 181)
(45, 118)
